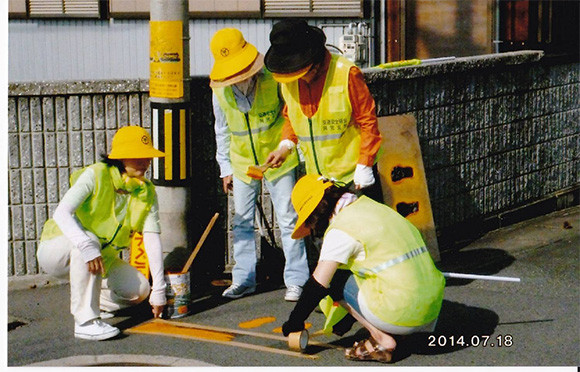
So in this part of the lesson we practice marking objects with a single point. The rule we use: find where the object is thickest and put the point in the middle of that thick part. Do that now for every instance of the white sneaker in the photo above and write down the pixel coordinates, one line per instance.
(237, 291)
(293, 293)
(95, 330)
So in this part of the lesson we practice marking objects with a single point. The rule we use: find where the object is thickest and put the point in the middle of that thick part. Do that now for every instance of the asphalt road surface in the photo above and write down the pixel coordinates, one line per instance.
(483, 323)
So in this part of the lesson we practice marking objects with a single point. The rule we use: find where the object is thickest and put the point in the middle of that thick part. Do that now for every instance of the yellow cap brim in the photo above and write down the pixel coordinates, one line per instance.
(300, 232)
(248, 72)
(223, 69)
(306, 209)
(136, 153)
(292, 76)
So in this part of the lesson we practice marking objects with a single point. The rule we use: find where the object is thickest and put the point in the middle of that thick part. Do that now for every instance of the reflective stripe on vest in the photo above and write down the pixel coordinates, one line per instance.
(255, 134)
(332, 136)
(252, 131)
(321, 137)
(96, 213)
(393, 262)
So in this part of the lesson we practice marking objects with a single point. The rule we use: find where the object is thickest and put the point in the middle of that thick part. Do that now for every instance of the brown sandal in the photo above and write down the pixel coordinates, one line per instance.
(360, 351)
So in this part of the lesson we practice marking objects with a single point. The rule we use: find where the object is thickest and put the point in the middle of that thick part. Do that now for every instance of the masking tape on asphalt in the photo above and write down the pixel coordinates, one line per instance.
(298, 340)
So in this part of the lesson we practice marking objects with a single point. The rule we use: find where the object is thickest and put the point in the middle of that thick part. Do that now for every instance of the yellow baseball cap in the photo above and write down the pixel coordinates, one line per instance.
(232, 53)
(133, 142)
(291, 76)
(307, 193)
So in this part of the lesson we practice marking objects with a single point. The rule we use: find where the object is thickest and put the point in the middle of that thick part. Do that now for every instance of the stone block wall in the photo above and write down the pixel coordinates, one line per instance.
(54, 129)
(498, 133)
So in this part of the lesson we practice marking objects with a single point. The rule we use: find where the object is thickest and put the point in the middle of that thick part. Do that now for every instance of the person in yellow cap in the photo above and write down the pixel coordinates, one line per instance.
(329, 109)
(373, 262)
(248, 125)
(106, 203)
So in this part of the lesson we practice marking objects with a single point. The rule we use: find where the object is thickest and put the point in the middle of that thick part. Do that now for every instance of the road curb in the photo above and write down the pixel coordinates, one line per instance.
(532, 234)
(16, 283)
(129, 360)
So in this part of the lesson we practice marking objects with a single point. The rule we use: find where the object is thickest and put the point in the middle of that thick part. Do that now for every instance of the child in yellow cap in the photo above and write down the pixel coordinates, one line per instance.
(248, 126)
(106, 203)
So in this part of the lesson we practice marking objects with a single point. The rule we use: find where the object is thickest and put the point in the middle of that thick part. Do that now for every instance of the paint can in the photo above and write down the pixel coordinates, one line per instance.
(178, 295)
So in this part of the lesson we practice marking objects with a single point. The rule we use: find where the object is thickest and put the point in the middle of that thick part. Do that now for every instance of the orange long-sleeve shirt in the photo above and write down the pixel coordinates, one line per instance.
(363, 108)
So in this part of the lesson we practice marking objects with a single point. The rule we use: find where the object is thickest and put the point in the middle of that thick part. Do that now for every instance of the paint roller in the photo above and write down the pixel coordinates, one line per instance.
(481, 277)
(257, 171)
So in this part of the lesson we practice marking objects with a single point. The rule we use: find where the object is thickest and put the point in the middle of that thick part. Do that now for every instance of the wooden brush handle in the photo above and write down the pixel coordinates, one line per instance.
(200, 243)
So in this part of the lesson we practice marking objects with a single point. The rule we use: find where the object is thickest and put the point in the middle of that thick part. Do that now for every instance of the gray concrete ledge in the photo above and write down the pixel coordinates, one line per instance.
(16, 283)
(44, 88)
(400, 73)
(460, 64)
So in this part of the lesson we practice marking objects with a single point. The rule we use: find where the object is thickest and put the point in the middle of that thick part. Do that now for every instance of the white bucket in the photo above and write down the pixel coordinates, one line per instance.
(178, 295)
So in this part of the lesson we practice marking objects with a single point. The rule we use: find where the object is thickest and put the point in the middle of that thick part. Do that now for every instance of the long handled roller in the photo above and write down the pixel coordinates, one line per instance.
(200, 243)
(481, 277)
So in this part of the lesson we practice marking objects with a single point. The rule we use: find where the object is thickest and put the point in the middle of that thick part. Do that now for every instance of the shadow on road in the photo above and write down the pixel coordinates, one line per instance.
(484, 261)
(203, 299)
(459, 325)
(456, 320)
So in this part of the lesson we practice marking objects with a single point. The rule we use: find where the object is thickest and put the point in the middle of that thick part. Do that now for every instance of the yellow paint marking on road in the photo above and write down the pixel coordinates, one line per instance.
(175, 330)
(189, 331)
(279, 329)
(250, 333)
(255, 323)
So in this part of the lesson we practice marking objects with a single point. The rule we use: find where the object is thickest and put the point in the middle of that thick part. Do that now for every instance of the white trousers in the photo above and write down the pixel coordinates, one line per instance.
(124, 286)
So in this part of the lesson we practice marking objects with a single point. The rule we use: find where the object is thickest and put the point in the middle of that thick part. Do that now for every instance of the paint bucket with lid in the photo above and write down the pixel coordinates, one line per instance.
(178, 295)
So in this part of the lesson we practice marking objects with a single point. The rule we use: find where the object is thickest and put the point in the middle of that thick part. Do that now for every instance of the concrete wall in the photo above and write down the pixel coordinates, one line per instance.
(500, 137)
(498, 132)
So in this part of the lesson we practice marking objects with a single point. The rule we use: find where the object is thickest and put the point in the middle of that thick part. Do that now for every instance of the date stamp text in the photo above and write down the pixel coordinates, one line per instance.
(506, 340)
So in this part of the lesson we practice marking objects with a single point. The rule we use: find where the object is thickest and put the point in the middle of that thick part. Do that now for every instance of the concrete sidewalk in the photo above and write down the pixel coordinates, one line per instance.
(532, 323)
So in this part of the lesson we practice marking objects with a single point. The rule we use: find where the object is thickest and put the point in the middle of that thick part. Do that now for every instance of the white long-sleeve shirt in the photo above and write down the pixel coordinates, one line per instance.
(222, 131)
(64, 216)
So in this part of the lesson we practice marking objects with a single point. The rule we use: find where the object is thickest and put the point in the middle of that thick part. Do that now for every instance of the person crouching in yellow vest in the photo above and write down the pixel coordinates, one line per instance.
(248, 125)
(372, 261)
(106, 203)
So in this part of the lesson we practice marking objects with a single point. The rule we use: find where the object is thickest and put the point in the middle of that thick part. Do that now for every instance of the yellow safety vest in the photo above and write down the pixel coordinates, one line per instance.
(97, 212)
(397, 278)
(257, 133)
(330, 140)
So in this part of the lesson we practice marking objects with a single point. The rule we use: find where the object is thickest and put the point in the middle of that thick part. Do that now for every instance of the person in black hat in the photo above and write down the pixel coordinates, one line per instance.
(329, 108)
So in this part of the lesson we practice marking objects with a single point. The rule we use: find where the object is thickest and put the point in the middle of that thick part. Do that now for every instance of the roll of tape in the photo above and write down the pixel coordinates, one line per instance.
(298, 340)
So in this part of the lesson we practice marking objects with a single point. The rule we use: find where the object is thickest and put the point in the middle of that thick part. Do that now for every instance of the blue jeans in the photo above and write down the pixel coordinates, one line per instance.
(296, 270)
(351, 297)
(350, 293)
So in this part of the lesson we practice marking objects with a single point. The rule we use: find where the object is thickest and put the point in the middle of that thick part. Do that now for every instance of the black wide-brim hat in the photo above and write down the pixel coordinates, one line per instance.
(294, 46)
